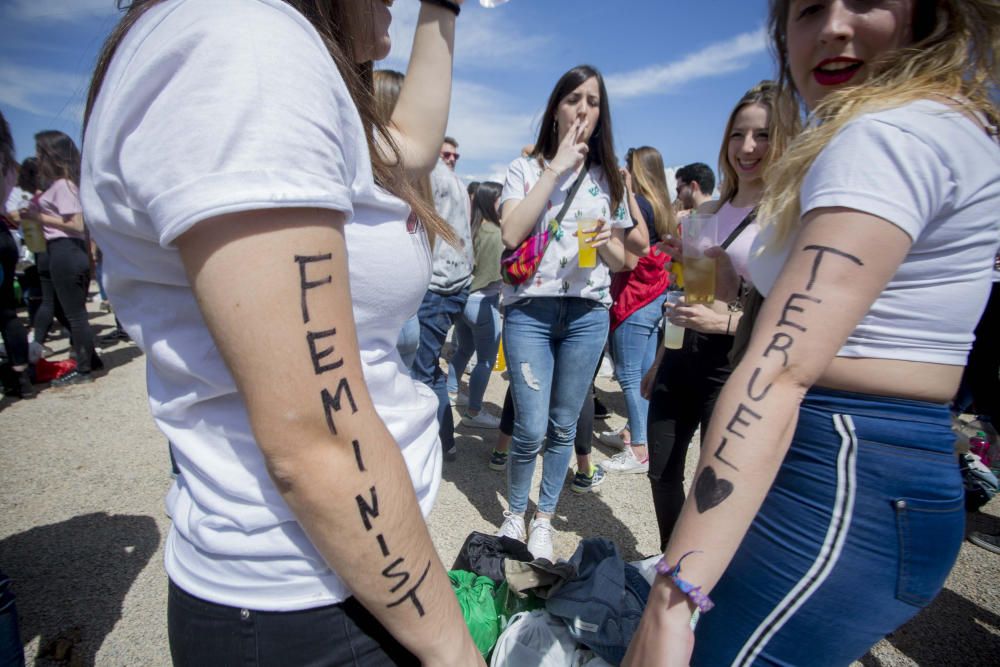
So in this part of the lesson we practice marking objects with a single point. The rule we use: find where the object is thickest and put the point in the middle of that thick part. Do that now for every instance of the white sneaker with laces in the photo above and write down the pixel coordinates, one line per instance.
(540, 538)
(613, 439)
(512, 526)
(625, 462)
(481, 420)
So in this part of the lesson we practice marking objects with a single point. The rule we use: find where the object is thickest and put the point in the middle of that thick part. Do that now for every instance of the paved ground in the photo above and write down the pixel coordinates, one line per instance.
(83, 473)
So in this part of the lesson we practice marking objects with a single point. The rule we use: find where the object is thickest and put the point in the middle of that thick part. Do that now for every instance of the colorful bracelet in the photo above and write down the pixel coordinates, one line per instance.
(672, 572)
(454, 7)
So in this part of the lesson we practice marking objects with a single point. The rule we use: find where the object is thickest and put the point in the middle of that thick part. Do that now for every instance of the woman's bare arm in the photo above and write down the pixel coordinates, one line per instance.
(838, 266)
(286, 331)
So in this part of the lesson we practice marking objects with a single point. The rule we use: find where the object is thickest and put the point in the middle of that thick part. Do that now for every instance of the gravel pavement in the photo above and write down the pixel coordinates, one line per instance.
(83, 473)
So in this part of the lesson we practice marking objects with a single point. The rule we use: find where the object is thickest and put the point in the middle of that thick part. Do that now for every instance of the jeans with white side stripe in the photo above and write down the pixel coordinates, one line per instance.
(858, 533)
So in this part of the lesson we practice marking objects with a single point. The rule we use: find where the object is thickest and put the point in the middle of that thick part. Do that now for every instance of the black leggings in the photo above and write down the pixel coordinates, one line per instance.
(64, 271)
(15, 338)
(684, 393)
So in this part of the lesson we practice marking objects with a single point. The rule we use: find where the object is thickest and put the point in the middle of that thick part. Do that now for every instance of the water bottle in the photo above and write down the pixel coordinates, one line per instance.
(673, 335)
(980, 446)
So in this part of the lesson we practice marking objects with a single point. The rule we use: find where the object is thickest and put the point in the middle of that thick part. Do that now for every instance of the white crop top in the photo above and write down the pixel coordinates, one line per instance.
(935, 174)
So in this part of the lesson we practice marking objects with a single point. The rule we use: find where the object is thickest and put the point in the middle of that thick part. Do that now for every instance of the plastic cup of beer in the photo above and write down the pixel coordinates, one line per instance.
(699, 232)
(586, 230)
(673, 334)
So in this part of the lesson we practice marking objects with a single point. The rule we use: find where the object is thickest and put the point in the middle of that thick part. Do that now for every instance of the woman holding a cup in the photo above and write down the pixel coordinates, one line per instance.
(556, 321)
(683, 385)
(827, 509)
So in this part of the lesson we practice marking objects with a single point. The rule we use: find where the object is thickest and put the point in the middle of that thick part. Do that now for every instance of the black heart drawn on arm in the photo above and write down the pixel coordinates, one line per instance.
(710, 490)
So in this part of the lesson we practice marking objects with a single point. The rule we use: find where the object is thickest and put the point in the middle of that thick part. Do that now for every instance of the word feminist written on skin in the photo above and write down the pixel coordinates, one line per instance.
(711, 490)
(336, 398)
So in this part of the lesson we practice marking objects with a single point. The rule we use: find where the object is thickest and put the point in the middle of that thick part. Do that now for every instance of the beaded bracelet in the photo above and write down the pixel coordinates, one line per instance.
(454, 7)
(672, 572)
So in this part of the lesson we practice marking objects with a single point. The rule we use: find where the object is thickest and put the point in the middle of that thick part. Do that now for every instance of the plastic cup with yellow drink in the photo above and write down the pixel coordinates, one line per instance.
(699, 232)
(586, 230)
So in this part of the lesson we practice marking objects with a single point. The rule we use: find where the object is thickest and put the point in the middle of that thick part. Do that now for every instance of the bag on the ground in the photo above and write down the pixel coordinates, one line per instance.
(534, 638)
(485, 554)
(979, 481)
(475, 598)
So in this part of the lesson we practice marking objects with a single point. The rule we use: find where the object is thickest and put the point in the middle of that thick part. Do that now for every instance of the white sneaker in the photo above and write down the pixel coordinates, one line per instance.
(512, 526)
(481, 420)
(540, 538)
(613, 439)
(458, 399)
(625, 462)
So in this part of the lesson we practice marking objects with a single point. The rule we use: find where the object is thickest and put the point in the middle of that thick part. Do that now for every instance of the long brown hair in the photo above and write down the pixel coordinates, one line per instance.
(952, 55)
(58, 157)
(601, 144)
(650, 180)
(337, 26)
(386, 86)
(780, 128)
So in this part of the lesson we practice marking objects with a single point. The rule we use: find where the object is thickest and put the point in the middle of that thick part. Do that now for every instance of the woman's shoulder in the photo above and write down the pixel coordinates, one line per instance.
(935, 122)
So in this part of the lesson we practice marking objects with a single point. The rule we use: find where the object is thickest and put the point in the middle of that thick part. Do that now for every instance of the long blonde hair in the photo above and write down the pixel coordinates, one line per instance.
(649, 177)
(781, 127)
(953, 55)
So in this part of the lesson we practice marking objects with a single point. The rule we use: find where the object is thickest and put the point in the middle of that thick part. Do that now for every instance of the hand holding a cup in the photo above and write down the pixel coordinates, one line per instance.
(698, 317)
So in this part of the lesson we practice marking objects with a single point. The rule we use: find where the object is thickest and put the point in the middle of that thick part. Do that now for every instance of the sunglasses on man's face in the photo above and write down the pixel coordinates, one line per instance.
(448, 155)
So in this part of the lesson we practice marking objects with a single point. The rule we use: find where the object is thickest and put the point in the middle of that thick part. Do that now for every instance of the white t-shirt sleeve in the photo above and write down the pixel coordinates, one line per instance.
(514, 186)
(878, 168)
(226, 116)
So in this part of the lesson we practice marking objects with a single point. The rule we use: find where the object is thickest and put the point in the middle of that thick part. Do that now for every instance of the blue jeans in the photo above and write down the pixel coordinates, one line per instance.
(858, 533)
(436, 314)
(633, 346)
(552, 346)
(11, 652)
(409, 340)
(477, 330)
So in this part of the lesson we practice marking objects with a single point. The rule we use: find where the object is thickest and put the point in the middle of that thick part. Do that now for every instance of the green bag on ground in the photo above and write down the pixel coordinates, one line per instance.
(475, 597)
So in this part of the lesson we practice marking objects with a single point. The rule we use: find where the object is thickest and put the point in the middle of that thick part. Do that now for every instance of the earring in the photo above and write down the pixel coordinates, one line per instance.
(555, 127)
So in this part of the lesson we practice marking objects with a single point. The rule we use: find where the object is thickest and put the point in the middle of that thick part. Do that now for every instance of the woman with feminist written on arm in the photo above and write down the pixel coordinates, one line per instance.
(827, 509)
(245, 218)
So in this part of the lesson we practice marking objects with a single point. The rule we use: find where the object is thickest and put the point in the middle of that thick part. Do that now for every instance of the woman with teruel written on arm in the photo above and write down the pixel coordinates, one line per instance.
(827, 508)
(255, 218)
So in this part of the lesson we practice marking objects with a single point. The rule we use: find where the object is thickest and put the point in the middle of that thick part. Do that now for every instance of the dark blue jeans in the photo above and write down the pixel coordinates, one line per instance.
(205, 633)
(858, 533)
(436, 314)
(11, 652)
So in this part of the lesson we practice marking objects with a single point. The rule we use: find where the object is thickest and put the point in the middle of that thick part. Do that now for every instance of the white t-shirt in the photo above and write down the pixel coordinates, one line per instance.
(935, 174)
(559, 273)
(220, 106)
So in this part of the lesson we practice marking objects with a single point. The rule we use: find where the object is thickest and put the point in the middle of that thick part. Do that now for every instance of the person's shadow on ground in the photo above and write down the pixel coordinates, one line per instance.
(586, 514)
(71, 578)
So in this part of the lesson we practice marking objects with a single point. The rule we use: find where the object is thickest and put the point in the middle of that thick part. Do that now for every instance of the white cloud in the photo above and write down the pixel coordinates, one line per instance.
(482, 40)
(65, 10)
(715, 59)
(486, 124)
(24, 88)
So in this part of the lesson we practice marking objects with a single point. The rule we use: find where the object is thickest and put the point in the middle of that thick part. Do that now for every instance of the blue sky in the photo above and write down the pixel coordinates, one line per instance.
(674, 69)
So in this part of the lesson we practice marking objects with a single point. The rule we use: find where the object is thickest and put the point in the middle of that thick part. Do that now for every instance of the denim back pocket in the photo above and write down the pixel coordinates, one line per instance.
(930, 534)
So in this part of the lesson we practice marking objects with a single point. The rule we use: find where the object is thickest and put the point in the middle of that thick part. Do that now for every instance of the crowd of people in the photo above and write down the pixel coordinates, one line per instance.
(859, 186)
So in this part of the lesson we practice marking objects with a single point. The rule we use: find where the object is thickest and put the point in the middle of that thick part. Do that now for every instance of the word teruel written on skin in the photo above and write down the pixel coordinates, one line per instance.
(710, 490)
(399, 576)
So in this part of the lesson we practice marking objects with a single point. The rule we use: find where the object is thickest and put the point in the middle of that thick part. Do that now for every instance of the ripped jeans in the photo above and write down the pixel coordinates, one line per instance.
(552, 346)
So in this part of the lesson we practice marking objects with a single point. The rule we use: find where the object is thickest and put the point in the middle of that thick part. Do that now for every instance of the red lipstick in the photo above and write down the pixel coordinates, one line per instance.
(835, 71)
